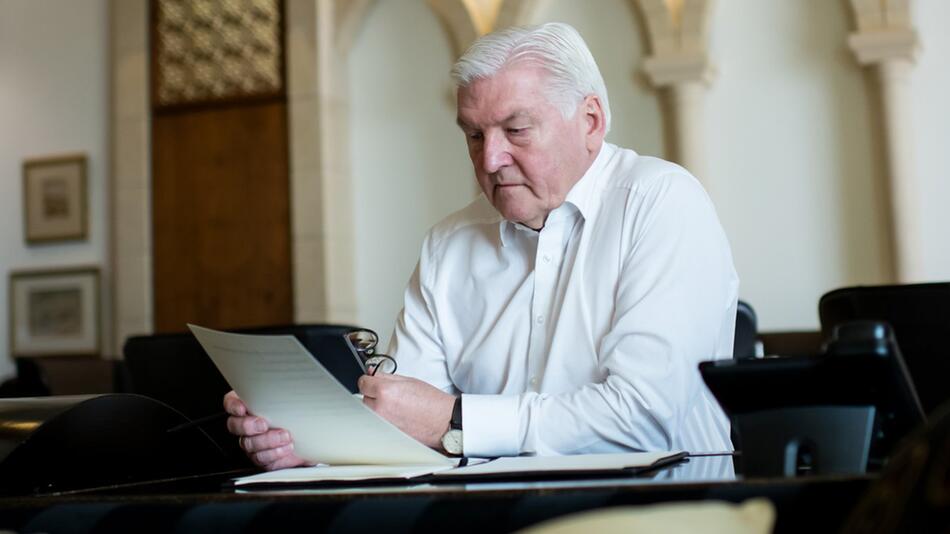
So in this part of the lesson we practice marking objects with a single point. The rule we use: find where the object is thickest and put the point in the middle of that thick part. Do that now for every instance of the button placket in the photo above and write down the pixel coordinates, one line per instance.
(544, 284)
(535, 333)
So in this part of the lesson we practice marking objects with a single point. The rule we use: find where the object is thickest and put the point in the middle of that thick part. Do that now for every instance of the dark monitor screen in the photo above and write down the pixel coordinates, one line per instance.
(920, 317)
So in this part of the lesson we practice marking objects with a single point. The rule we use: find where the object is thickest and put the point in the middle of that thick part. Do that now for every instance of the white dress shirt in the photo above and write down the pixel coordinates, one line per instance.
(583, 337)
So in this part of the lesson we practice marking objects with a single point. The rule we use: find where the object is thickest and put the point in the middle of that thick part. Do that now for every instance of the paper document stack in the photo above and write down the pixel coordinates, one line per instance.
(282, 382)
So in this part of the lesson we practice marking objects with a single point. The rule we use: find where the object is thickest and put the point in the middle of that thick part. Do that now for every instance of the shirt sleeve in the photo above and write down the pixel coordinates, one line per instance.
(674, 307)
(416, 343)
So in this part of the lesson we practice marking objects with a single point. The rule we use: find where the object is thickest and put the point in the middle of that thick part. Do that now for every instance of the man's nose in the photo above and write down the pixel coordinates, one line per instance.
(495, 154)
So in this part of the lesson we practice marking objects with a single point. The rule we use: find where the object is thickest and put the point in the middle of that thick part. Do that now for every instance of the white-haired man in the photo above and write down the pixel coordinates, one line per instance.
(565, 310)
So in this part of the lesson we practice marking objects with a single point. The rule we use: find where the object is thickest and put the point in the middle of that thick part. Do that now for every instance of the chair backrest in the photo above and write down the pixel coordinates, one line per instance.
(792, 343)
(174, 369)
(30, 381)
(746, 330)
(920, 317)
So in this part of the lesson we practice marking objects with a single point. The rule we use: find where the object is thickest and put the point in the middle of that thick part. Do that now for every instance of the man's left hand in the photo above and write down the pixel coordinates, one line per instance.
(415, 407)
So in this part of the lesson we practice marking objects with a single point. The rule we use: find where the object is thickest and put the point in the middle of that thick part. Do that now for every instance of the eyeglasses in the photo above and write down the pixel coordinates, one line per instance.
(362, 344)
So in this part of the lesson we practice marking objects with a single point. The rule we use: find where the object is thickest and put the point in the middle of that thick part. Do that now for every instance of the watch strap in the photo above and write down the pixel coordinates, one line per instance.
(456, 422)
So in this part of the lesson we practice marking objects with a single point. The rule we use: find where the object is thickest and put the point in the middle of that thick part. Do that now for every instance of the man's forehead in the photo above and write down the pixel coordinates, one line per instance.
(473, 118)
(514, 92)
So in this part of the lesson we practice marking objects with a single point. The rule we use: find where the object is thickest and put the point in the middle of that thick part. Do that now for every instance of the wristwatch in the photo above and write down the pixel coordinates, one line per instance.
(452, 440)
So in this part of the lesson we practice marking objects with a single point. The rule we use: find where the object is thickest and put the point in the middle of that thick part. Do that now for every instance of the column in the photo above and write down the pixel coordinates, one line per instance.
(130, 189)
(685, 79)
(891, 53)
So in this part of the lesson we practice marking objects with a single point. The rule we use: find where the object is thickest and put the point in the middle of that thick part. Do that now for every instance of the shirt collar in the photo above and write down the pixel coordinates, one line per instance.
(582, 195)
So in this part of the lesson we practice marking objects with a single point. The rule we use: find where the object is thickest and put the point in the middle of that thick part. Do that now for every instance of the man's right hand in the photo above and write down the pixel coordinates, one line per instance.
(270, 448)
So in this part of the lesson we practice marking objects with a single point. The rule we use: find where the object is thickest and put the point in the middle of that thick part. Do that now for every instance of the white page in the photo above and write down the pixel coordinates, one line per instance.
(280, 381)
(338, 473)
(478, 466)
(552, 464)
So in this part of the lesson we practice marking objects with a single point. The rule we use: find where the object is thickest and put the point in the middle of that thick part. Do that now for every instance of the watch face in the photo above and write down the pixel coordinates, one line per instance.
(452, 442)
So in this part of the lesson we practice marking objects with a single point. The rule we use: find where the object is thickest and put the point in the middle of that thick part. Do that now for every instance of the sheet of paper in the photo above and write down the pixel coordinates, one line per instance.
(282, 382)
(527, 465)
(338, 473)
(561, 464)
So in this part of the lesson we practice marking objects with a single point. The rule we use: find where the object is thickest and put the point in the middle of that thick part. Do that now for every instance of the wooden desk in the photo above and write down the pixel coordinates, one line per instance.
(203, 504)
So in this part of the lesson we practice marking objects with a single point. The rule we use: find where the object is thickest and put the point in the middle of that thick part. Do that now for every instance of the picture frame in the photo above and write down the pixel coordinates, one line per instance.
(55, 202)
(55, 312)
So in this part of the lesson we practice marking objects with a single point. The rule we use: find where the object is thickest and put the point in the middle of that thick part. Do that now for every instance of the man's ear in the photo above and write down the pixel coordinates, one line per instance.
(595, 122)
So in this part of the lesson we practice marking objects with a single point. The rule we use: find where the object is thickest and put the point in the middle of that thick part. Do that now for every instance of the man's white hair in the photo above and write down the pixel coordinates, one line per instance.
(556, 47)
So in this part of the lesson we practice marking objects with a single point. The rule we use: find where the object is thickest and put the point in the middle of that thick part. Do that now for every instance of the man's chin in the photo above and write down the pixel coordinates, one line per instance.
(512, 213)
(517, 215)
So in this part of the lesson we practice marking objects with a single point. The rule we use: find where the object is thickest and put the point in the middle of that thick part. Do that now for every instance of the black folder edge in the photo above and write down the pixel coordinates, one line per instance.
(447, 478)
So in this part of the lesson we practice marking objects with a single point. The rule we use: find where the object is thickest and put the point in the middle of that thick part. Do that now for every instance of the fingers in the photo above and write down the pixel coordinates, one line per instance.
(370, 403)
(290, 460)
(271, 450)
(241, 422)
(234, 405)
(247, 426)
(266, 447)
(373, 385)
(269, 440)
(369, 386)
(270, 457)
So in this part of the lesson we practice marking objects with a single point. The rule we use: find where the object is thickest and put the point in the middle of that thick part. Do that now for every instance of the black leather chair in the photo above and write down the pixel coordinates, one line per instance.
(920, 317)
(174, 369)
(30, 381)
(746, 331)
(743, 347)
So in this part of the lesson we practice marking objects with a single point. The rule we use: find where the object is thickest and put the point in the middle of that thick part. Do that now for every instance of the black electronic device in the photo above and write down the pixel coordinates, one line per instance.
(920, 317)
(840, 412)
(59, 444)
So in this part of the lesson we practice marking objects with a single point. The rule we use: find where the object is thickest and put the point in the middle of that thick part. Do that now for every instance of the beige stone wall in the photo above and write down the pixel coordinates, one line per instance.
(827, 165)
(54, 72)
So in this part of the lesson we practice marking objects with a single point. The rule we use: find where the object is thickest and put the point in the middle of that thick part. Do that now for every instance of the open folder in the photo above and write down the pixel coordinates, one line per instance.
(280, 381)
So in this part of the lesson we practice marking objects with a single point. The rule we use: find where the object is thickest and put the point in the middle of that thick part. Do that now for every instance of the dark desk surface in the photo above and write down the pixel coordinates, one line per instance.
(205, 503)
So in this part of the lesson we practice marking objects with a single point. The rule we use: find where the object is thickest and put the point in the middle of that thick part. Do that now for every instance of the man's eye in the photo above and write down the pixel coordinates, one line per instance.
(475, 136)
(517, 131)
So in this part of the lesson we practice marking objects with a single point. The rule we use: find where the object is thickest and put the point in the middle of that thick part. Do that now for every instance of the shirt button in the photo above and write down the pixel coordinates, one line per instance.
(534, 381)
(546, 258)
(540, 319)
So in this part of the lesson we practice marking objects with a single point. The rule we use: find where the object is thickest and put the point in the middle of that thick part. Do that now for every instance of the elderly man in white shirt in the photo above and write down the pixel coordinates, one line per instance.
(566, 309)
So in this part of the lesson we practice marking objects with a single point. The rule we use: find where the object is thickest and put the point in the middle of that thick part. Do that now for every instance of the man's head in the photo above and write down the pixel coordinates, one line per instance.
(534, 109)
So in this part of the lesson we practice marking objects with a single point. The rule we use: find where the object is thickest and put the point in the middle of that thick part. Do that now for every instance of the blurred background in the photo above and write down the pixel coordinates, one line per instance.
(265, 162)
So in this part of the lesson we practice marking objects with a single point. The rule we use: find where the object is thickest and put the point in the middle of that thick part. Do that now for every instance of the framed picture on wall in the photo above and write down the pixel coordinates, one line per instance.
(54, 198)
(54, 312)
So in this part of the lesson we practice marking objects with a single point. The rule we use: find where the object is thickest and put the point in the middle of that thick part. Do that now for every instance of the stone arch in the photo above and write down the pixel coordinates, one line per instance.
(519, 12)
(675, 26)
(874, 15)
(670, 32)
(457, 22)
(348, 21)
(331, 296)
(455, 17)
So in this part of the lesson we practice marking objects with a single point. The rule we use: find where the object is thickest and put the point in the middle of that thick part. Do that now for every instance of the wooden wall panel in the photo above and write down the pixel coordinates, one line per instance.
(221, 218)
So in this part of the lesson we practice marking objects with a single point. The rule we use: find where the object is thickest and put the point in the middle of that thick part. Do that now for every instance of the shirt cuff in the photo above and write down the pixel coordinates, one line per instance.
(490, 425)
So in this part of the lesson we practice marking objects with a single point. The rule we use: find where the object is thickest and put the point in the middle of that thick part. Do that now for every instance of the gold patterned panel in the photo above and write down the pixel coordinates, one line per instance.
(211, 50)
